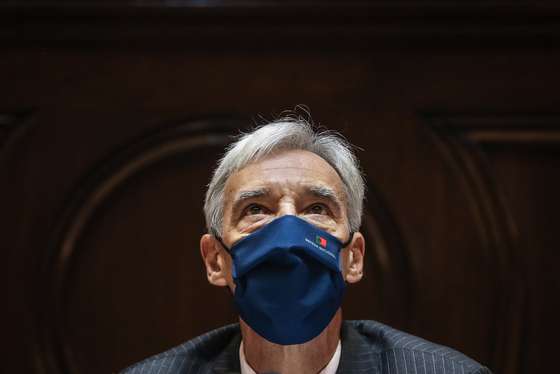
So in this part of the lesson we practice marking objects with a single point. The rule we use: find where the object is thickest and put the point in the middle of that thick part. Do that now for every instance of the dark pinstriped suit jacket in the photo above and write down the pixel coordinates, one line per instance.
(367, 347)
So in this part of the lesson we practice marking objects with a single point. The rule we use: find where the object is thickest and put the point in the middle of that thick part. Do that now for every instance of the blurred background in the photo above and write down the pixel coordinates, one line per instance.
(112, 115)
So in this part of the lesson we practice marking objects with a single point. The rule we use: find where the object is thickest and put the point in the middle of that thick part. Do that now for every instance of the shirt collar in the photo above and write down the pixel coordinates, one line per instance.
(331, 367)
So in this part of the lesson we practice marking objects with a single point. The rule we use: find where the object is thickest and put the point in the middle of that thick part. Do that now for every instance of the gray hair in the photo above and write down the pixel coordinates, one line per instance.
(286, 133)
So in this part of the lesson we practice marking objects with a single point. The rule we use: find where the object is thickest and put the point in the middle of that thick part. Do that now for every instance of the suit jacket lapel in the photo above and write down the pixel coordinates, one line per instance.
(358, 354)
(227, 362)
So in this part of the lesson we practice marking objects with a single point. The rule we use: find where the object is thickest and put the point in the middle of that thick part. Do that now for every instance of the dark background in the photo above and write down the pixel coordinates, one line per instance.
(112, 115)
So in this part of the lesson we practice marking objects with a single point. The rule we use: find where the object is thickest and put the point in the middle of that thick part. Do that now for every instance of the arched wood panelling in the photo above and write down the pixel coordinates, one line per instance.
(497, 232)
(509, 166)
(131, 230)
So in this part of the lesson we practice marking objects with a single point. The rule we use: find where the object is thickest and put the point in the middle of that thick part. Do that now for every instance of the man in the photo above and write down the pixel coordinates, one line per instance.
(283, 211)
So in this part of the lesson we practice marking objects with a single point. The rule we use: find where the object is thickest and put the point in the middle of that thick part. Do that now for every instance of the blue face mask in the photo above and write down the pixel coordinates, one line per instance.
(288, 280)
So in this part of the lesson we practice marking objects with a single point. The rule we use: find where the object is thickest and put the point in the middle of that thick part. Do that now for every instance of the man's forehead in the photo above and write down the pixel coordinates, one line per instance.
(292, 158)
(296, 169)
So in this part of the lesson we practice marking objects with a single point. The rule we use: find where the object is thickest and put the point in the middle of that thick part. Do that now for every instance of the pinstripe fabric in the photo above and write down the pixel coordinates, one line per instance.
(367, 347)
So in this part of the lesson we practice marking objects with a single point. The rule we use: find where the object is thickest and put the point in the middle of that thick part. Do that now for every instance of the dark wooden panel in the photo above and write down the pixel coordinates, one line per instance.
(522, 159)
(17, 327)
(529, 176)
(534, 186)
(127, 260)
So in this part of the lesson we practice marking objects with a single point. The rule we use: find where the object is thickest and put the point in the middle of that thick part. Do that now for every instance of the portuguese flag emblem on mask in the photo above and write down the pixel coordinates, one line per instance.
(321, 241)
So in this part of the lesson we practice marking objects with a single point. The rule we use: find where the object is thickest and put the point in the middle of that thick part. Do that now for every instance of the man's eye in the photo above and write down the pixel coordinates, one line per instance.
(255, 209)
(317, 209)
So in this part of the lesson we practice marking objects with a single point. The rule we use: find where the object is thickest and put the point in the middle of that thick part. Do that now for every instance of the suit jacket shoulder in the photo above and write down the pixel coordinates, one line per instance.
(372, 347)
(215, 351)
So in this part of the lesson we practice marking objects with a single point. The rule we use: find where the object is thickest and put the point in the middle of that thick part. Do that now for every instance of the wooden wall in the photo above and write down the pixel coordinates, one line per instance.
(112, 116)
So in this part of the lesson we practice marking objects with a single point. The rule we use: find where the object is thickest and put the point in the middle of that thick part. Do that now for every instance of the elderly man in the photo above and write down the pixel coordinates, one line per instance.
(283, 211)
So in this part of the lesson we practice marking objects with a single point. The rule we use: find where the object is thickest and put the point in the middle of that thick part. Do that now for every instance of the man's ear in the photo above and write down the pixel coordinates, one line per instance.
(353, 259)
(217, 262)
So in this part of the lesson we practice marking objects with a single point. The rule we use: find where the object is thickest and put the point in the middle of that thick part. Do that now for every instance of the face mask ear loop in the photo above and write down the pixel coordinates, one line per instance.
(345, 244)
(222, 243)
(228, 251)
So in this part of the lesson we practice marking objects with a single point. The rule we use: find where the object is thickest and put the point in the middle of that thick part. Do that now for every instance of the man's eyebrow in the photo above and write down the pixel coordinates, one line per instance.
(249, 194)
(325, 193)
(242, 196)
